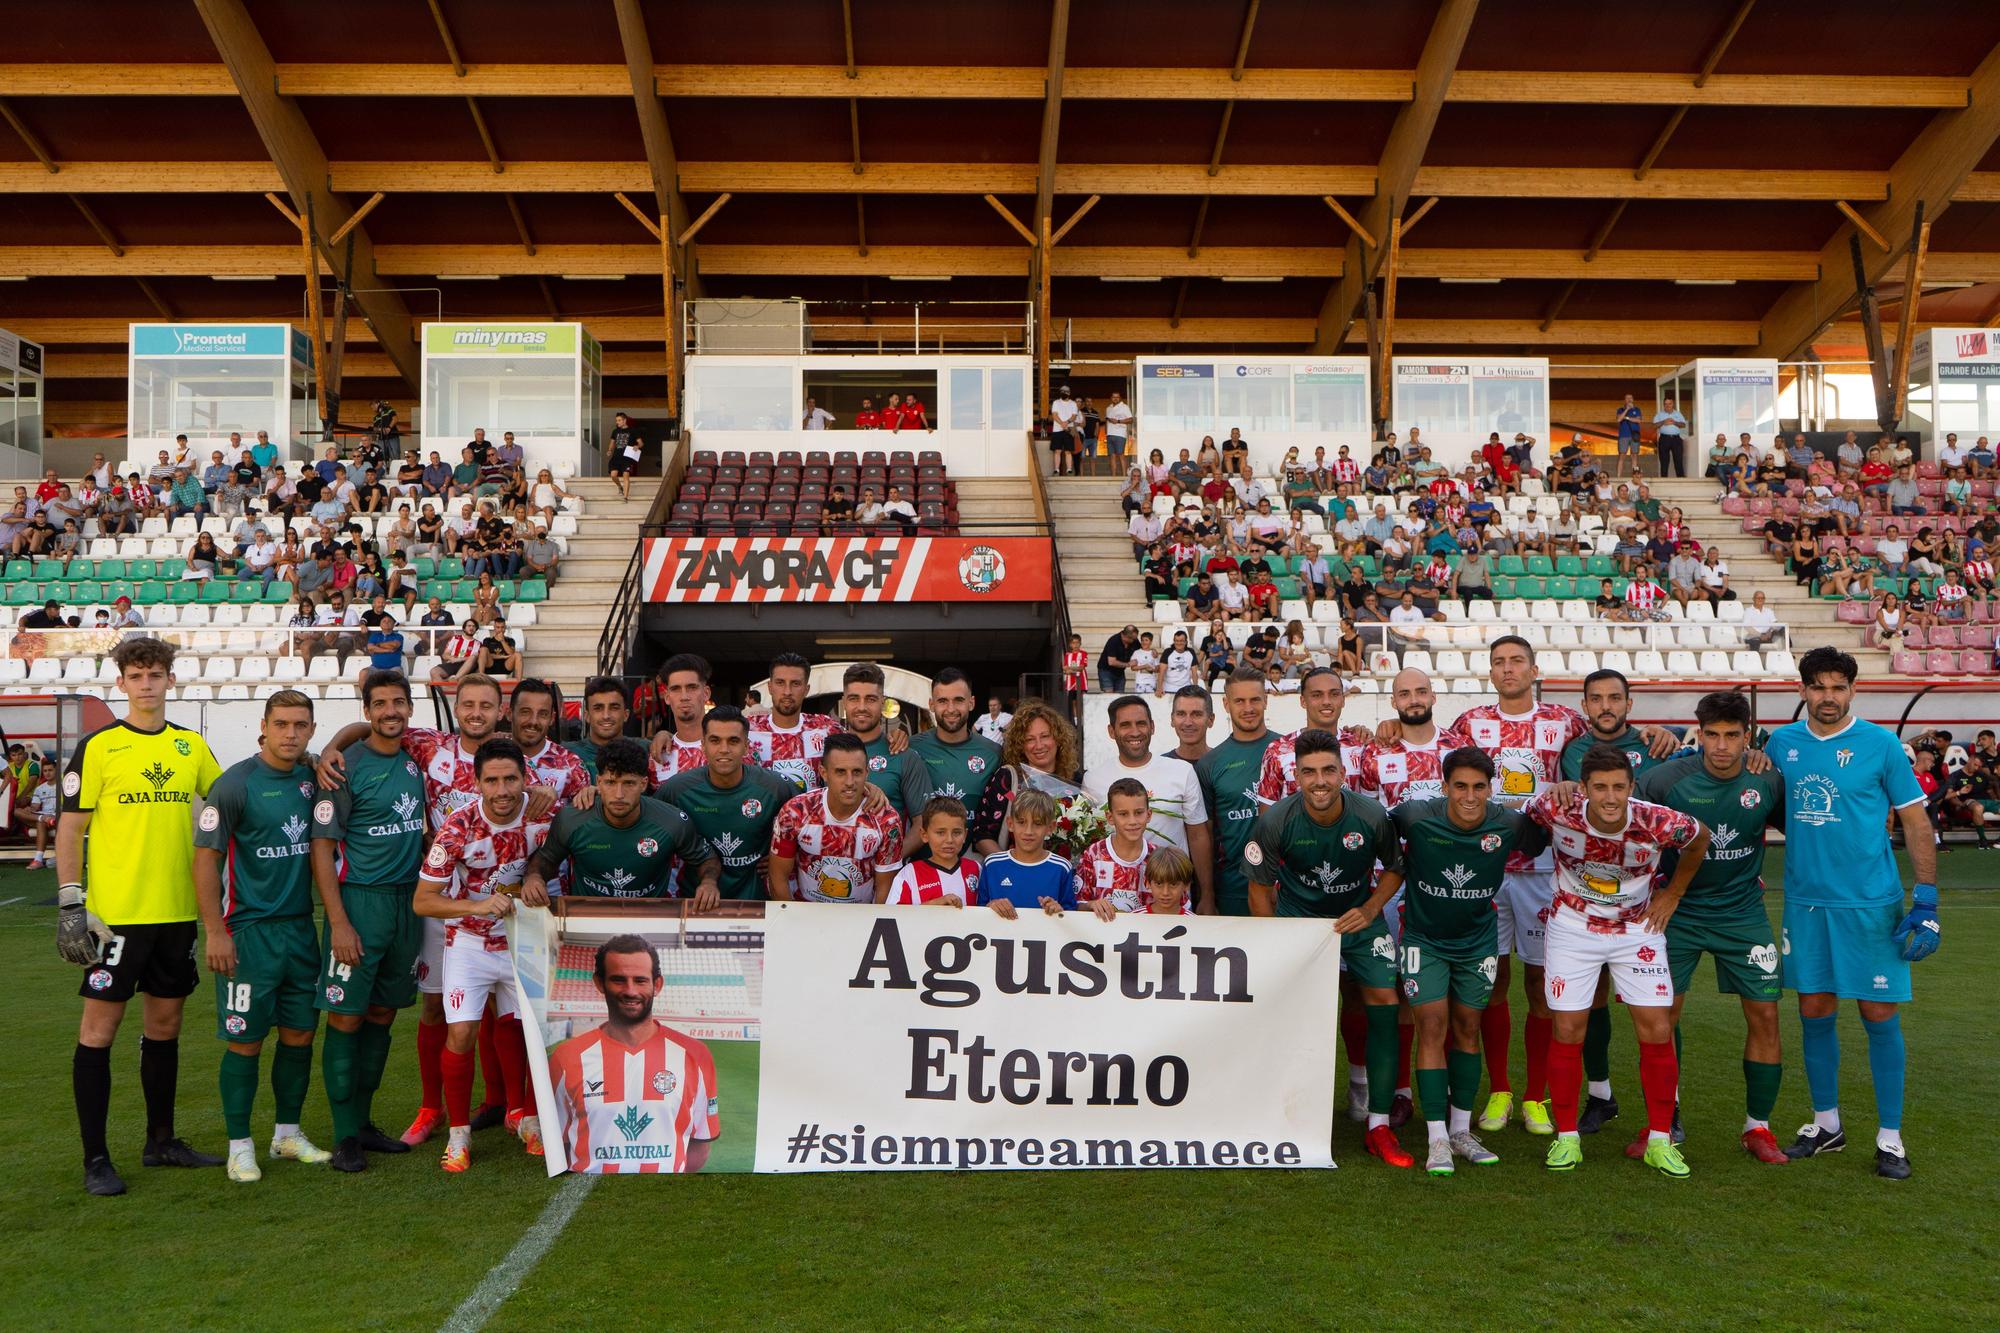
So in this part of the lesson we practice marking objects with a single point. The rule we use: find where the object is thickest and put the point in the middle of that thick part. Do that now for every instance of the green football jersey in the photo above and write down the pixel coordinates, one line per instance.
(959, 771)
(377, 817)
(1320, 869)
(1636, 752)
(585, 749)
(735, 822)
(259, 819)
(636, 861)
(1735, 811)
(904, 778)
(1450, 874)
(1228, 777)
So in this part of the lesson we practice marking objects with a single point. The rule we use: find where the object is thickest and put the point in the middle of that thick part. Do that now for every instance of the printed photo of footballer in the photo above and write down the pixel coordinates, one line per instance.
(650, 1032)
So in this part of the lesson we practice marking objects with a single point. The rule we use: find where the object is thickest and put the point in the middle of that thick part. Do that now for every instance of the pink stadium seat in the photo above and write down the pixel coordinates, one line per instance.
(1735, 504)
(1976, 662)
(1929, 471)
(1907, 663)
(1940, 662)
(1854, 613)
(1865, 545)
(1833, 542)
(1976, 636)
(1942, 636)
(1761, 506)
(1982, 490)
(1930, 487)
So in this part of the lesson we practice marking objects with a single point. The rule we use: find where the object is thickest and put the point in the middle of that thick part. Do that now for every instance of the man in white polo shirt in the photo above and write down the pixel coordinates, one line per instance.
(1178, 813)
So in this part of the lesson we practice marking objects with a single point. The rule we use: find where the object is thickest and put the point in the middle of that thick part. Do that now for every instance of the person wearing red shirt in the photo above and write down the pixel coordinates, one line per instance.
(892, 413)
(867, 418)
(50, 487)
(913, 415)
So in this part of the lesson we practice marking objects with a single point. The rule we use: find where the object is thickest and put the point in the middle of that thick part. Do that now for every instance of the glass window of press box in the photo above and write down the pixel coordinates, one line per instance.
(213, 395)
(841, 391)
(533, 396)
(20, 394)
(744, 397)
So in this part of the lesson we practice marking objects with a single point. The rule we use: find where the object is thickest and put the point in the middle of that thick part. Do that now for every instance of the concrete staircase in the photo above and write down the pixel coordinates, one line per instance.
(1811, 619)
(1105, 589)
(562, 643)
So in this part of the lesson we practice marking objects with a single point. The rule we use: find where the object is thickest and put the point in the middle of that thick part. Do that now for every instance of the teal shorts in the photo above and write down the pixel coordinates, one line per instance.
(1368, 956)
(391, 934)
(1850, 952)
(1462, 969)
(277, 964)
(1745, 950)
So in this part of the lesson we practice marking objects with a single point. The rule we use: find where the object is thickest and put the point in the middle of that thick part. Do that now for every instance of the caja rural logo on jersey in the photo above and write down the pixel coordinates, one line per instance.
(159, 776)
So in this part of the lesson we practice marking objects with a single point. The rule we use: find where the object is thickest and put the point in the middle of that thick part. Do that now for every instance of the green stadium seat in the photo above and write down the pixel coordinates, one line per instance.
(1503, 587)
(1530, 588)
(1571, 565)
(1371, 568)
(1290, 588)
(214, 592)
(1541, 564)
(83, 569)
(59, 590)
(464, 590)
(150, 593)
(1618, 585)
(116, 588)
(19, 570)
(87, 593)
(109, 569)
(1510, 564)
(425, 566)
(243, 591)
(509, 588)
(48, 568)
(139, 570)
(173, 569)
(183, 591)
(534, 590)
(1600, 566)
(451, 567)
(1561, 588)
(275, 593)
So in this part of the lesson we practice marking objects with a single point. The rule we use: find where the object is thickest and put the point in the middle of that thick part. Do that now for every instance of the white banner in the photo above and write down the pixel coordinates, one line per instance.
(926, 1038)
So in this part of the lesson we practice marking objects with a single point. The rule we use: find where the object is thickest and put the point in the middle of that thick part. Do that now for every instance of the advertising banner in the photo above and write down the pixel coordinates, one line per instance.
(1186, 370)
(209, 340)
(847, 569)
(792, 1037)
(500, 339)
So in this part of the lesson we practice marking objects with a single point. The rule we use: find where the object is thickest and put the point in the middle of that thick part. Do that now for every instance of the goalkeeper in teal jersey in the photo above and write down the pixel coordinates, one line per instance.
(1722, 913)
(1846, 933)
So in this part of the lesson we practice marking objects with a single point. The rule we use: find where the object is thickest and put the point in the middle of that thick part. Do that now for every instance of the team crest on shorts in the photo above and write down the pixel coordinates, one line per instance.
(1410, 987)
(976, 764)
(1750, 799)
(100, 979)
(647, 846)
(981, 569)
(1352, 840)
(663, 1082)
(752, 808)
(457, 997)
(1647, 953)
(234, 1025)
(1556, 985)
(182, 748)
(1490, 843)
(335, 994)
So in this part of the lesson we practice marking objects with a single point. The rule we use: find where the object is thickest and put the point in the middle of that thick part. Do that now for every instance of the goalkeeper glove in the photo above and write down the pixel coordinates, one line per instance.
(1919, 932)
(81, 937)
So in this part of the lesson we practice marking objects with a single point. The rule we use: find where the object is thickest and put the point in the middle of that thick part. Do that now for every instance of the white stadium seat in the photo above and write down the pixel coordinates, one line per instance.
(1617, 660)
(217, 670)
(1649, 663)
(1715, 663)
(1582, 663)
(1747, 663)
(288, 669)
(325, 667)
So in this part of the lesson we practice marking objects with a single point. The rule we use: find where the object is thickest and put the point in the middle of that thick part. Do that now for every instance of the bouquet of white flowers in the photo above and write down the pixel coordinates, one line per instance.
(1080, 817)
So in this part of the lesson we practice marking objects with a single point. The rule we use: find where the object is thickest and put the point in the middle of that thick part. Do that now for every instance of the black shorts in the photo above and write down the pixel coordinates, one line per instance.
(621, 466)
(1061, 442)
(157, 959)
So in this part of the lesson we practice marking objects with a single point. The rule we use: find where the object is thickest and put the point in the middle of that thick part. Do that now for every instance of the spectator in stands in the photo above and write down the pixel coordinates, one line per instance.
(1927, 554)
(370, 579)
(313, 575)
(1235, 452)
(410, 476)
(1472, 580)
(1629, 419)
(838, 508)
(205, 559)
(1145, 530)
(215, 473)
(460, 654)
(498, 655)
(1712, 578)
(1262, 587)
(1952, 597)
(37, 537)
(116, 514)
(68, 544)
(1904, 496)
(1669, 439)
(1721, 462)
(1065, 423)
(162, 472)
(540, 556)
(1980, 458)
(1217, 653)
(1300, 493)
(1234, 595)
(371, 496)
(1203, 599)
(12, 524)
(1630, 553)
(1842, 574)
(899, 511)
(1760, 625)
(1799, 458)
(869, 512)
(1267, 530)
(1184, 475)
(1645, 600)
(1315, 577)
(439, 479)
(185, 496)
(50, 616)
(1135, 495)
(1605, 606)
(1115, 658)
(465, 476)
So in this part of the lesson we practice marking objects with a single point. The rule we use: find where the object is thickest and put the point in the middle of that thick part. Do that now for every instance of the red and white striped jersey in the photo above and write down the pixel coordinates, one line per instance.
(1403, 771)
(1608, 877)
(1346, 469)
(795, 754)
(1102, 873)
(685, 757)
(558, 768)
(1279, 777)
(634, 1109)
(1526, 750)
(1644, 593)
(835, 860)
(1979, 570)
(472, 857)
(449, 782)
(924, 881)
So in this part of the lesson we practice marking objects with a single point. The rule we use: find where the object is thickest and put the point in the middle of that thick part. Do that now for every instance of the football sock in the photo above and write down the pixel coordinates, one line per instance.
(430, 1069)
(1462, 1068)
(90, 1081)
(1377, 1120)
(1461, 1120)
(291, 1076)
(337, 1054)
(368, 1067)
(1891, 1140)
(1597, 1052)
(1822, 1051)
(1496, 1030)
(513, 1052)
(457, 1071)
(1381, 1058)
(1406, 1035)
(1432, 1095)
(159, 1075)
(1354, 1039)
(1565, 1074)
(1760, 1090)
(1885, 1064)
(1537, 1035)
(1659, 1076)
(492, 1071)
(238, 1082)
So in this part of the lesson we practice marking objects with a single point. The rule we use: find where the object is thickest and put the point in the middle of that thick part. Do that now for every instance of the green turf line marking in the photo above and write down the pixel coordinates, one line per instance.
(505, 1277)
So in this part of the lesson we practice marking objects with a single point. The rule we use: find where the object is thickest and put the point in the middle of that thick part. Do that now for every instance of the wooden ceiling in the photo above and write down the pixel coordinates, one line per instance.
(1644, 181)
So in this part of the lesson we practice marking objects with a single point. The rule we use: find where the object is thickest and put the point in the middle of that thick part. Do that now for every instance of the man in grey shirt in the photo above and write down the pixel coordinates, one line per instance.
(1684, 576)
(539, 556)
(1903, 495)
(1379, 527)
(314, 574)
(1474, 581)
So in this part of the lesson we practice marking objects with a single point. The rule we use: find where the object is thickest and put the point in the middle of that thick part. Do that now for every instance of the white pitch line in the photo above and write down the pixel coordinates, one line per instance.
(11, 901)
(505, 1277)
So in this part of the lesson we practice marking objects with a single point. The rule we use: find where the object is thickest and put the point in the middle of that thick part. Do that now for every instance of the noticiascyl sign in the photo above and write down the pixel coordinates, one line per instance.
(500, 339)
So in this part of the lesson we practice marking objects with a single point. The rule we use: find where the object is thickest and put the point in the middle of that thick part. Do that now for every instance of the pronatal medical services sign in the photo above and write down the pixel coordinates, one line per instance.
(847, 569)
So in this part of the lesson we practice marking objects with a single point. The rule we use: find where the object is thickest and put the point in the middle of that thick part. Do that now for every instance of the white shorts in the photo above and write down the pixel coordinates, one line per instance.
(430, 958)
(1392, 916)
(1523, 905)
(473, 972)
(1637, 960)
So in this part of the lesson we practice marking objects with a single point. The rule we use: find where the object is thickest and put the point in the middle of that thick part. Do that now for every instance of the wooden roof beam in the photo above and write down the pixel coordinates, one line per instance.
(1052, 93)
(1923, 182)
(301, 165)
(659, 140)
(1396, 175)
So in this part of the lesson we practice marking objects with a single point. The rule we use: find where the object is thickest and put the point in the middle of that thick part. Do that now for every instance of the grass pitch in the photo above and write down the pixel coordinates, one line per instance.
(1813, 1245)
